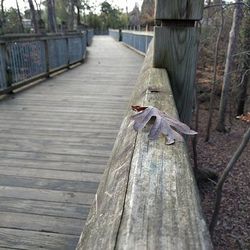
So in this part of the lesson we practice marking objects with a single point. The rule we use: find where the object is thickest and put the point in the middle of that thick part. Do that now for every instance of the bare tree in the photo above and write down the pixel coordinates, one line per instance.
(2, 17)
(51, 16)
(223, 178)
(38, 7)
(212, 94)
(233, 37)
(71, 16)
(78, 7)
(33, 16)
(20, 17)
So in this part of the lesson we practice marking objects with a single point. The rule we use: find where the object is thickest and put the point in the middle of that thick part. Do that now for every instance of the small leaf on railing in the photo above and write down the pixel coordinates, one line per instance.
(163, 124)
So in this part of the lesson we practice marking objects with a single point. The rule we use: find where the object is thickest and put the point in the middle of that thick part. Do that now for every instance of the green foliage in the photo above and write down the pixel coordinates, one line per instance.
(11, 22)
(110, 17)
(61, 11)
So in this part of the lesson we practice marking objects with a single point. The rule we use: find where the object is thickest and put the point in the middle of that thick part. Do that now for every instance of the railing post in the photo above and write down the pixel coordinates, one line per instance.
(8, 72)
(46, 44)
(120, 35)
(68, 52)
(84, 40)
(175, 48)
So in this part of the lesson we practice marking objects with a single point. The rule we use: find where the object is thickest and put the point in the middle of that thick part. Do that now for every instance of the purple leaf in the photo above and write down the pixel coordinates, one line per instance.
(163, 124)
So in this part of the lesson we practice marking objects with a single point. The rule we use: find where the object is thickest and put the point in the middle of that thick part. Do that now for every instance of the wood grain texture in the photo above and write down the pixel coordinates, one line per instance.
(179, 9)
(55, 141)
(175, 49)
(147, 198)
(30, 240)
(108, 205)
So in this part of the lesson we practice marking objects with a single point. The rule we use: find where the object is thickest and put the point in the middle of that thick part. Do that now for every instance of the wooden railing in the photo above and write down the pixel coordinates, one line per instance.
(137, 40)
(26, 58)
(147, 198)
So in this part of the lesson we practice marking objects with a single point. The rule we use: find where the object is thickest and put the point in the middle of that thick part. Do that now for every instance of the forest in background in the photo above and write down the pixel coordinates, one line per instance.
(71, 15)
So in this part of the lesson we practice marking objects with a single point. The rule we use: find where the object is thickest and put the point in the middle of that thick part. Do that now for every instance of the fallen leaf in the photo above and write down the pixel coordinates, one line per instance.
(138, 108)
(245, 118)
(163, 124)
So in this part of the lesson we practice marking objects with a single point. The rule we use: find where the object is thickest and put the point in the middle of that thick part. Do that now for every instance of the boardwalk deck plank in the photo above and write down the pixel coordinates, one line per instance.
(55, 141)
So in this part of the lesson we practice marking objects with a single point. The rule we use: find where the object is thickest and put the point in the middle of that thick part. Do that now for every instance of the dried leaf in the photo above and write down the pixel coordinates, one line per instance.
(138, 108)
(244, 118)
(163, 124)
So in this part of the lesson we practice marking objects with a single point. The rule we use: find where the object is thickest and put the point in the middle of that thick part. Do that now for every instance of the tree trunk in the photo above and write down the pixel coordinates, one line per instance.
(20, 17)
(2, 17)
(78, 7)
(246, 63)
(208, 13)
(38, 7)
(223, 178)
(71, 14)
(212, 94)
(33, 16)
(233, 37)
(51, 16)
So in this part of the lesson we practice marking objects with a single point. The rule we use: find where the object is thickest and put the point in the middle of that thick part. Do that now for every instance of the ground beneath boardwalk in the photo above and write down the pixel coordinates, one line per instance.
(233, 229)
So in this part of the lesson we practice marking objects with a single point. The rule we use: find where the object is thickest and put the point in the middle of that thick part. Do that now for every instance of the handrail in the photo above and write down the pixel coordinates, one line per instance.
(139, 33)
(25, 58)
(137, 40)
(147, 198)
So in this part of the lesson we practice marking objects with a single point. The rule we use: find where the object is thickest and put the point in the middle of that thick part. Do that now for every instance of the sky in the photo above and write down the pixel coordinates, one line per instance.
(118, 3)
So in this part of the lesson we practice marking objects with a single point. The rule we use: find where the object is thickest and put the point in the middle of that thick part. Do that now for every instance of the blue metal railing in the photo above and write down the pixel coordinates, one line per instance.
(116, 34)
(25, 58)
(138, 40)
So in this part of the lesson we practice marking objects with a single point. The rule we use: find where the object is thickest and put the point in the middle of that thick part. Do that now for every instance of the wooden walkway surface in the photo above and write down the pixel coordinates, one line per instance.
(55, 140)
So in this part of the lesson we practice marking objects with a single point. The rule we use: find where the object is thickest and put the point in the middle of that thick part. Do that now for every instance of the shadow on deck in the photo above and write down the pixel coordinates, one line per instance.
(55, 140)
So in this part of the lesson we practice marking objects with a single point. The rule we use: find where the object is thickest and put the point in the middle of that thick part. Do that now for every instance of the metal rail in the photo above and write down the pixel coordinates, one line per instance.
(138, 40)
(26, 58)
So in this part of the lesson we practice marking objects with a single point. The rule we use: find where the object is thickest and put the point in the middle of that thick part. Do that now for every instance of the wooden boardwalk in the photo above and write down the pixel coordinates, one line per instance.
(55, 140)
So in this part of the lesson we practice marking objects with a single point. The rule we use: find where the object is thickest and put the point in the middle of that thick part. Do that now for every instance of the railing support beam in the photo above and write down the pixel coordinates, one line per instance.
(175, 48)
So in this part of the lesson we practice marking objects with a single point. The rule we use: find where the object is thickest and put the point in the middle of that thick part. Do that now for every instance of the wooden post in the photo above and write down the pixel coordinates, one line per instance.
(46, 44)
(175, 48)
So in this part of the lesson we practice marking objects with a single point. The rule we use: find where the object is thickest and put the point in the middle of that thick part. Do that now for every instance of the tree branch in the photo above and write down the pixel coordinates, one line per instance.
(223, 177)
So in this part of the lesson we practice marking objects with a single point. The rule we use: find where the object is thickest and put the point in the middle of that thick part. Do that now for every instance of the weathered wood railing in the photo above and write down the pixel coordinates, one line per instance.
(25, 58)
(137, 40)
(147, 198)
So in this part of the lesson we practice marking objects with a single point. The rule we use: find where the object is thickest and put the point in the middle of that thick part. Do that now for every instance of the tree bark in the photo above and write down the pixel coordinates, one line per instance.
(246, 63)
(234, 34)
(212, 94)
(222, 179)
(33, 16)
(51, 16)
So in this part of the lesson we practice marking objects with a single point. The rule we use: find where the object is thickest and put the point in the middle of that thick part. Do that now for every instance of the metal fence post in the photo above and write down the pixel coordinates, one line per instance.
(68, 52)
(8, 71)
(46, 46)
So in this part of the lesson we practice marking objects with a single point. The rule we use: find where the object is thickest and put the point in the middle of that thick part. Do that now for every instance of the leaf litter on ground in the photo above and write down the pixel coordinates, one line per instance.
(163, 124)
